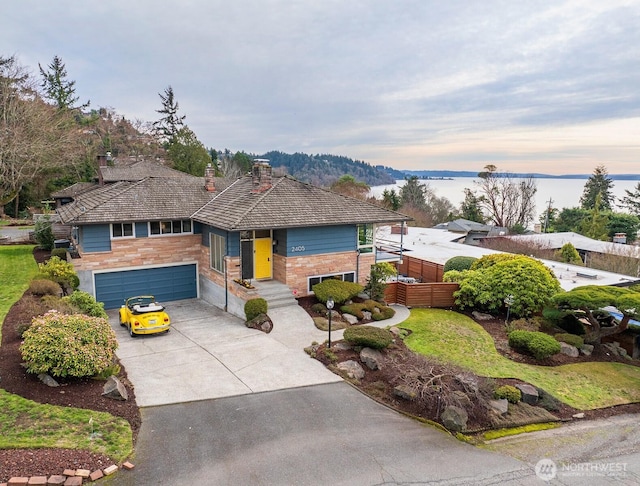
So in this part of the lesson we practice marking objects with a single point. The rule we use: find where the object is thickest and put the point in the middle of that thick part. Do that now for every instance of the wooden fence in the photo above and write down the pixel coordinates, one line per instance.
(421, 270)
(434, 294)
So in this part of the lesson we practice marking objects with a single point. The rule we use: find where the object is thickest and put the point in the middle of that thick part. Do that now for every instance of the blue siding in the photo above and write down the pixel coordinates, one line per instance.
(321, 239)
(233, 239)
(95, 238)
(197, 227)
(142, 230)
(280, 236)
(166, 283)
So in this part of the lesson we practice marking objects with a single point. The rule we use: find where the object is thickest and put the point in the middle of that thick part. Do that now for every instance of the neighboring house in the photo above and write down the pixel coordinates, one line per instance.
(177, 236)
(471, 232)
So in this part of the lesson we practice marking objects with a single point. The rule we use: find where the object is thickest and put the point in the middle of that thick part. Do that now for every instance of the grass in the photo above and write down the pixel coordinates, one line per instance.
(455, 338)
(27, 424)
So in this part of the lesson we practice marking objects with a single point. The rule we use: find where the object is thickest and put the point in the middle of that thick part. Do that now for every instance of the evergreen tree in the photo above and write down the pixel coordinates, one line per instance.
(569, 254)
(170, 124)
(413, 193)
(391, 199)
(56, 86)
(631, 202)
(187, 153)
(596, 225)
(598, 183)
(470, 208)
(348, 186)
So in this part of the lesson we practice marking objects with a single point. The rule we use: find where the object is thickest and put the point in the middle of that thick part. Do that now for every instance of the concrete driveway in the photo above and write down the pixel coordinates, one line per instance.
(211, 354)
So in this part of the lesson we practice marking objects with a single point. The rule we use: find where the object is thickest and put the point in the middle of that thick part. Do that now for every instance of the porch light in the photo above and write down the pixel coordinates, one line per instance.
(330, 304)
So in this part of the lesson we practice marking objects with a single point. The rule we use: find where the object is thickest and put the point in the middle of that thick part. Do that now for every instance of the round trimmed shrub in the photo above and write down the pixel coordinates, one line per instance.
(386, 312)
(68, 345)
(320, 308)
(86, 304)
(59, 271)
(511, 393)
(43, 286)
(459, 263)
(542, 345)
(368, 337)
(254, 307)
(519, 339)
(61, 253)
(571, 339)
(338, 290)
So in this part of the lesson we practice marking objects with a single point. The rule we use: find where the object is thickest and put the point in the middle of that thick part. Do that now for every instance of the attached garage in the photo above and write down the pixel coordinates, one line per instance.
(165, 283)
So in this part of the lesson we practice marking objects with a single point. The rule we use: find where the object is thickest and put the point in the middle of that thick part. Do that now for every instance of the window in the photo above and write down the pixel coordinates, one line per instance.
(217, 249)
(122, 230)
(365, 238)
(170, 227)
(347, 277)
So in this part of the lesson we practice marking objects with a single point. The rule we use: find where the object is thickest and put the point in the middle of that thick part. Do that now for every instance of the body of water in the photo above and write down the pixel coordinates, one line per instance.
(564, 193)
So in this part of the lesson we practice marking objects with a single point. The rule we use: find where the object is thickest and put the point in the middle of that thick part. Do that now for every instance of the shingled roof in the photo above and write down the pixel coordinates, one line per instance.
(288, 203)
(138, 171)
(150, 199)
(74, 190)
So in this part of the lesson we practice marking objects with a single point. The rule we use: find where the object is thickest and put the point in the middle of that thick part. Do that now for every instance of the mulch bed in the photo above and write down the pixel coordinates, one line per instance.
(79, 393)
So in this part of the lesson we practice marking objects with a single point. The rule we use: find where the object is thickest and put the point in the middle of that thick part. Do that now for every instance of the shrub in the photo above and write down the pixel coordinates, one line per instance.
(61, 272)
(61, 253)
(511, 393)
(320, 308)
(338, 290)
(42, 286)
(523, 324)
(254, 307)
(368, 337)
(376, 282)
(86, 304)
(571, 339)
(354, 309)
(542, 345)
(385, 313)
(519, 339)
(68, 345)
(43, 233)
(459, 263)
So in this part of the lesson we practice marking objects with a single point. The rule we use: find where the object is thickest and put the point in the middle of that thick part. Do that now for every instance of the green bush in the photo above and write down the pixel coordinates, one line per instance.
(542, 345)
(338, 290)
(254, 307)
(511, 393)
(59, 271)
(61, 253)
(43, 286)
(459, 263)
(571, 339)
(86, 304)
(68, 345)
(320, 308)
(519, 339)
(385, 313)
(368, 337)
(376, 282)
(565, 320)
(43, 233)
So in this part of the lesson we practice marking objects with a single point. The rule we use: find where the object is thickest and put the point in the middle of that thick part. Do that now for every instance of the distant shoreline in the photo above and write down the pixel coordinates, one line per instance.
(448, 174)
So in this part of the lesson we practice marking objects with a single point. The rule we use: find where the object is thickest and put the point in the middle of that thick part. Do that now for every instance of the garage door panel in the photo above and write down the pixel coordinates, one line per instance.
(166, 284)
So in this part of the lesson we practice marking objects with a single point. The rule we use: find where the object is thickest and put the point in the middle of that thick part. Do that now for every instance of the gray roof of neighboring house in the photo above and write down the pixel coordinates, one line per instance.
(138, 171)
(466, 226)
(288, 203)
(580, 242)
(74, 190)
(150, 199)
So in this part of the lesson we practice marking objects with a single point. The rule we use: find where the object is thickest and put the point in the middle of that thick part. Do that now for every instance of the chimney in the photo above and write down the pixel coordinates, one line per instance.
(102, 162)
(261, 175)
(209, 178)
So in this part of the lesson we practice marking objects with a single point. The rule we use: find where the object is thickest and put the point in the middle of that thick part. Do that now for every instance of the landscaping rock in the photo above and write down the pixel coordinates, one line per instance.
(454, 419)
(376, 310)
(481, 316)
(114, 389)
(47, 380)
(587, 349)
(529, 393)
(501, 405)
(395, 331)
(462, 399)
(261, 322)
(615, 349)
(342, 346)
(350, 319)
(312, 350)
(569, 350)
(352, 368)
(372, 358)
(366, 315)
(405, 392)
(578, 415)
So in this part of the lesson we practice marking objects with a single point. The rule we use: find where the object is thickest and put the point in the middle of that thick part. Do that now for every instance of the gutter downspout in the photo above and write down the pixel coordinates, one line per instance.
(226, 283)
(401, 238)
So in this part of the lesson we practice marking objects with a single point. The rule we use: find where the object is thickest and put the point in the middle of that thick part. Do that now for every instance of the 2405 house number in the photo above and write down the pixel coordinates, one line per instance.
(297, 248)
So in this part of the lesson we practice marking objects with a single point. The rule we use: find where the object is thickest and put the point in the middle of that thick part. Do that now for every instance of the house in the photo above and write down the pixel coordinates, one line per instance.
(177, 236)
(472, 232)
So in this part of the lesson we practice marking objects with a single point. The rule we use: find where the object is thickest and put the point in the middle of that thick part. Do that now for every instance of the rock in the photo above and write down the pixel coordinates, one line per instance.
(395, 331)
(312, 350)
(372, 358)
(615, 349)
(114, 389)
(352, 368)
(501, 405)
(569, 350)
(454, 419)
(587, 349)
(405, 392)
(578, 415)
(342, 346)
(334, 314)
(47, 380)
(529, 393)
(366, 315)
(481, 316)
(461, 398)
(376, 310)
(261, 322)
(350, 319)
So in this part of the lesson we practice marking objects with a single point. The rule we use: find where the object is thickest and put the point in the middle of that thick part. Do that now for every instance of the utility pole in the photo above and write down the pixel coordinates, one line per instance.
(546, 218)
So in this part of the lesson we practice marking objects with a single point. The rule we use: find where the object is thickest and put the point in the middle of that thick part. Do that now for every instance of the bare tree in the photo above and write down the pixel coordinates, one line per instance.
(506, 201)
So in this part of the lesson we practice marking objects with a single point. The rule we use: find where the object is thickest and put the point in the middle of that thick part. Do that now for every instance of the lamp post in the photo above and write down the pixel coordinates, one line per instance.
(330, 304)
(508, 301)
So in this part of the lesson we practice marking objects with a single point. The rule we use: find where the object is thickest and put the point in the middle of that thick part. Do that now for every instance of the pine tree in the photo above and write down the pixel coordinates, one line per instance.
(56, 86)
(631, 201)
(598, 183)
(170, 124)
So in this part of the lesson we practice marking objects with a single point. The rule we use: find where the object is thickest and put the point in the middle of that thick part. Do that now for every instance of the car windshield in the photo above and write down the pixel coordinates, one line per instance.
(141, 301)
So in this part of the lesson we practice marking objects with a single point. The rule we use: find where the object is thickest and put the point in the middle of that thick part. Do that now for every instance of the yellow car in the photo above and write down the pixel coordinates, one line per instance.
(143, 315)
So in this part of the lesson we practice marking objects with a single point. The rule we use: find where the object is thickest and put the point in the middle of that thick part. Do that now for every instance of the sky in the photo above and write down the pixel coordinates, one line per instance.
(528, 86)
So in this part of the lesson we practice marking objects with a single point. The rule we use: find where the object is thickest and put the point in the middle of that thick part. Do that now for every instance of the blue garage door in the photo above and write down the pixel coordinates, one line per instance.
(166, 283)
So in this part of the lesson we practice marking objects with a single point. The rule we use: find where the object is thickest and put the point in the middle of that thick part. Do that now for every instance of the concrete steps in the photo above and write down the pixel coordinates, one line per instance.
(275, 293)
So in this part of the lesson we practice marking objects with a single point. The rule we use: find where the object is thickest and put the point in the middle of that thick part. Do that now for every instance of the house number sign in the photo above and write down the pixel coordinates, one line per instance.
(297, 248)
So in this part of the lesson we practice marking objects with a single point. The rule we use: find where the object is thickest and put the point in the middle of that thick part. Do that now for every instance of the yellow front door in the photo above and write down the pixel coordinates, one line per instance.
(263, 254)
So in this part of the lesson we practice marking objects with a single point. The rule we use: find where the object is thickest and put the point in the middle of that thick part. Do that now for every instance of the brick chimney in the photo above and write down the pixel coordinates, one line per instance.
(209, 178)
(261, 175)
(102, 162)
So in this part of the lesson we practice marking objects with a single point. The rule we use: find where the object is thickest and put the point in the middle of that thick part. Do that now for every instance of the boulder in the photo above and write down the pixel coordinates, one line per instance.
(530, 394)
(352, 368)
(501, 405)
(569, 350)
(342, 346)
(48, 380)
(405, 392)
(587, 349)
(114, 389)
(372, 358)
(261, 322)
(395, 331)
(366, 315)
(461, 398)
(351, 319)
(481, 316)
(454, 419)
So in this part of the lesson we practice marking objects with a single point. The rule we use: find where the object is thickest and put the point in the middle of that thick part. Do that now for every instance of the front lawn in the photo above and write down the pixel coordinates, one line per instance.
(17, 268)
(455, 338)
